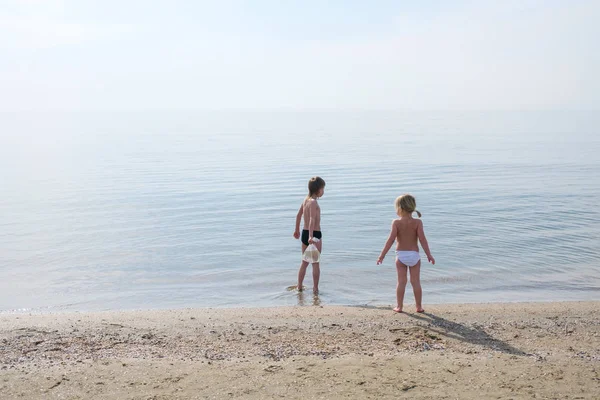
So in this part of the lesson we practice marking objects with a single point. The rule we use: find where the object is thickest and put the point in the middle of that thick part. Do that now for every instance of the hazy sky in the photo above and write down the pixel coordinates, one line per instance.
(299, 54)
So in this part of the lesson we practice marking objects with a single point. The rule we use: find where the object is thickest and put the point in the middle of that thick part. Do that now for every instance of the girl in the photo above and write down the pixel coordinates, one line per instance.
(312, 228)
(405, 231)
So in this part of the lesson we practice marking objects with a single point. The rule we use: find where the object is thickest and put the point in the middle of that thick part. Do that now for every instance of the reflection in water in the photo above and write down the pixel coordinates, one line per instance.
(316, 301)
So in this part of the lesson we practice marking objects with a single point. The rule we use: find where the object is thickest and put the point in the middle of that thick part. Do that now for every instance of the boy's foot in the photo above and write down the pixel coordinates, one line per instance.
(316, 290)
(420, 310)
(398, 309)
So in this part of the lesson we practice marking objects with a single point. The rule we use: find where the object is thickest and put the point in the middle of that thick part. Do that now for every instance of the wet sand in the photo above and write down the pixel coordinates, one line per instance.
(497, 351)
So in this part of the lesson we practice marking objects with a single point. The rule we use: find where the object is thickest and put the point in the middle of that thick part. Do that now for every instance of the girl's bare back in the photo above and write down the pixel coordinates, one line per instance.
(407, 229)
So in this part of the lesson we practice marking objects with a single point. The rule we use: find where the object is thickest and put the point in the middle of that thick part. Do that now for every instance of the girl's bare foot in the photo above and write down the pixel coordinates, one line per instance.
(398, 309)
(420, 310)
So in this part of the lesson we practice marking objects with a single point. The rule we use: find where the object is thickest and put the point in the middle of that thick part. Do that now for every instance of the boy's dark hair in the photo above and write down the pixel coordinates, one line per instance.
(315, 184)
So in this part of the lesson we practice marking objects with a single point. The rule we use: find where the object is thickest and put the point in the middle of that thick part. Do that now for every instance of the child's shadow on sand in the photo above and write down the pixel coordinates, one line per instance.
(474, 335)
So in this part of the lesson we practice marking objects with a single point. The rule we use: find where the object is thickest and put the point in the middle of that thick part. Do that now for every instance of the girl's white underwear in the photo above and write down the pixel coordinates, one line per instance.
(408, 258)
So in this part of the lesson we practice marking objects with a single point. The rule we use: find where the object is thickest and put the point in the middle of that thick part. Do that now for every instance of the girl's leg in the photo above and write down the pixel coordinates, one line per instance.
(415, 281)
(302, 271)
(401, 269)
(317, 269)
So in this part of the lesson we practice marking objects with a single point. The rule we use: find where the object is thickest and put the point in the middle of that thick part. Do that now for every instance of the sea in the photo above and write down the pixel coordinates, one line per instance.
(168, 209)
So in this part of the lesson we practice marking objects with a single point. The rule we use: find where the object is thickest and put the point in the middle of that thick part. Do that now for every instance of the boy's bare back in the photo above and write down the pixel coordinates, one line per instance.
(407, 229)
(312, 209)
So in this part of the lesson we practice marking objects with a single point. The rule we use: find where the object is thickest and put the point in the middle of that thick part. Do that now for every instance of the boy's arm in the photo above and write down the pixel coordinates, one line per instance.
(389, 243)
(423, 240)
(312, 209)
(298, 219)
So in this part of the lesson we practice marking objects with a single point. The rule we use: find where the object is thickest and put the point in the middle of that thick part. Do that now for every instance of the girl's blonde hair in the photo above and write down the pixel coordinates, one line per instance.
(315, 184)
(407, 203)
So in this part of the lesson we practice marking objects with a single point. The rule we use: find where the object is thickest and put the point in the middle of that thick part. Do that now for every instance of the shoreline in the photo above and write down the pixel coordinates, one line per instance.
(470, 351)
(307, 303)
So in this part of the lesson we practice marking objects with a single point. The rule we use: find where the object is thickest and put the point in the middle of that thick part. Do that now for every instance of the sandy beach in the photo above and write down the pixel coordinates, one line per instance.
(498, 351)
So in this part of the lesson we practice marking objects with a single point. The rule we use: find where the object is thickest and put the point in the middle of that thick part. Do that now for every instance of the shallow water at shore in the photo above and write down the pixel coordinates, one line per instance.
(170, 210)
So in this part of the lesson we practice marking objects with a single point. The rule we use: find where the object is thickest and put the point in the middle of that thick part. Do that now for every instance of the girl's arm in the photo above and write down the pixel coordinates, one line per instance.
(389, 243)
(298, 218)
(423, 240)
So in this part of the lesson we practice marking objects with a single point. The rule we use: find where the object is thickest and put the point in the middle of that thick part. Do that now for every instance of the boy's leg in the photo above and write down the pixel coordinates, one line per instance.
(316, 275)
(316, 267)
(302, 271)
(401, 269)
(415, 281)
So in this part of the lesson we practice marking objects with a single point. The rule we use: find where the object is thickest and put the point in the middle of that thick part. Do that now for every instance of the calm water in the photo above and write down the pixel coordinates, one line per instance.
(104, 211)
